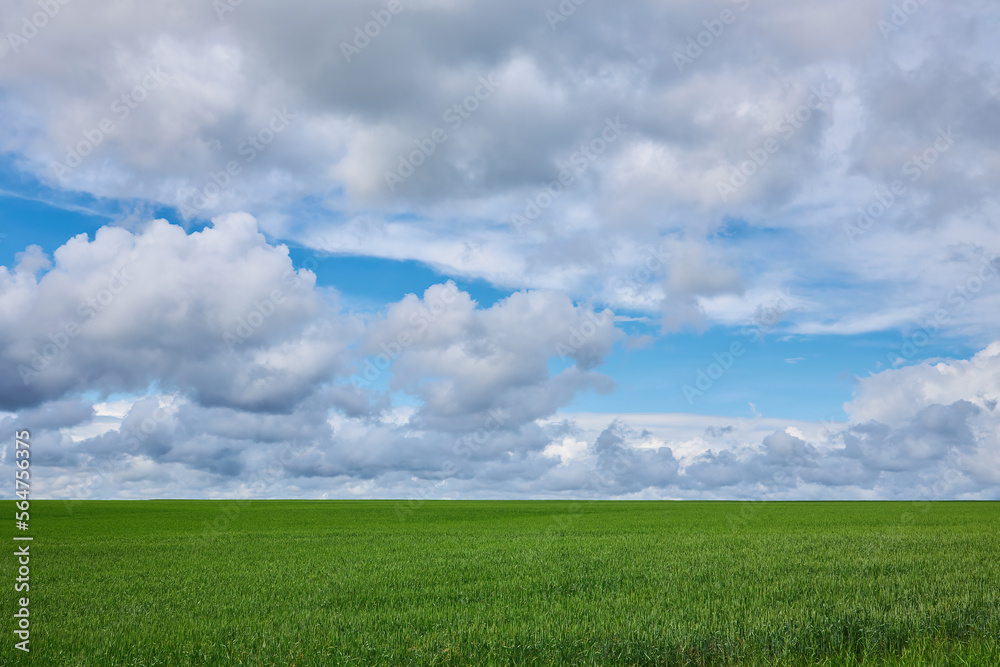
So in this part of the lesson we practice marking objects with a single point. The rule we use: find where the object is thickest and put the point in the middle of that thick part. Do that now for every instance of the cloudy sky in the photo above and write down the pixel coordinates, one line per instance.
(521, 249)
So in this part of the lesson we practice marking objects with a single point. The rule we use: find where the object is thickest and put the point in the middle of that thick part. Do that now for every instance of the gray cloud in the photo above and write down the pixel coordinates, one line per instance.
(218, 312)
(175, 446)
(690, 128)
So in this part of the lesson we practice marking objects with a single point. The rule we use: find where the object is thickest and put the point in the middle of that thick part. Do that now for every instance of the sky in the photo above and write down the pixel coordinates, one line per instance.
(677, 249)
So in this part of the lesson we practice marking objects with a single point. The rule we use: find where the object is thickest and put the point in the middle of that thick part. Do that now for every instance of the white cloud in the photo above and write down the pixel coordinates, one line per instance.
(218, 312)
(687, 131)
(936, 441)
(892, 396)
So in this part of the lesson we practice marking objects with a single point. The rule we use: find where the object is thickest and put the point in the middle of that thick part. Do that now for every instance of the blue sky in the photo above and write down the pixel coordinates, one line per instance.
(783, 375)
(562, 240)
(798, 377)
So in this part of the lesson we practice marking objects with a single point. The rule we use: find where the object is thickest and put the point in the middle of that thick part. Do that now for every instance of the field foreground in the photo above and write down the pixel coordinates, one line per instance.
(511, 583)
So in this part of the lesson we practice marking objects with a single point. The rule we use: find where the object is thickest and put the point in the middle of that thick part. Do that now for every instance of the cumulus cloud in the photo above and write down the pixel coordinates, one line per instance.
(218, 312)
(938, 446)
(278, 109)
(230, 353)
(892, 396)
(464, 363)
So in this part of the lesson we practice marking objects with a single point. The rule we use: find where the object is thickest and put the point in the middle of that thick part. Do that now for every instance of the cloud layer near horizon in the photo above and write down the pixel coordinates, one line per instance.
(170, 386)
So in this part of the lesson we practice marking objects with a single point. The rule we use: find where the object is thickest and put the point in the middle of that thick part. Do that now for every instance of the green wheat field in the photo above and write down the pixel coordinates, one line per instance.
(511, 583)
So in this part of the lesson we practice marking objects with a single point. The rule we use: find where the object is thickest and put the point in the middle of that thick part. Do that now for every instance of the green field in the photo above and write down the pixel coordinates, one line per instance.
(511, 583)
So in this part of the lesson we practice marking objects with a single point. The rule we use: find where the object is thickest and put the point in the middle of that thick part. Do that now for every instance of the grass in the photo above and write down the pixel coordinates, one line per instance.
(511, 583)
